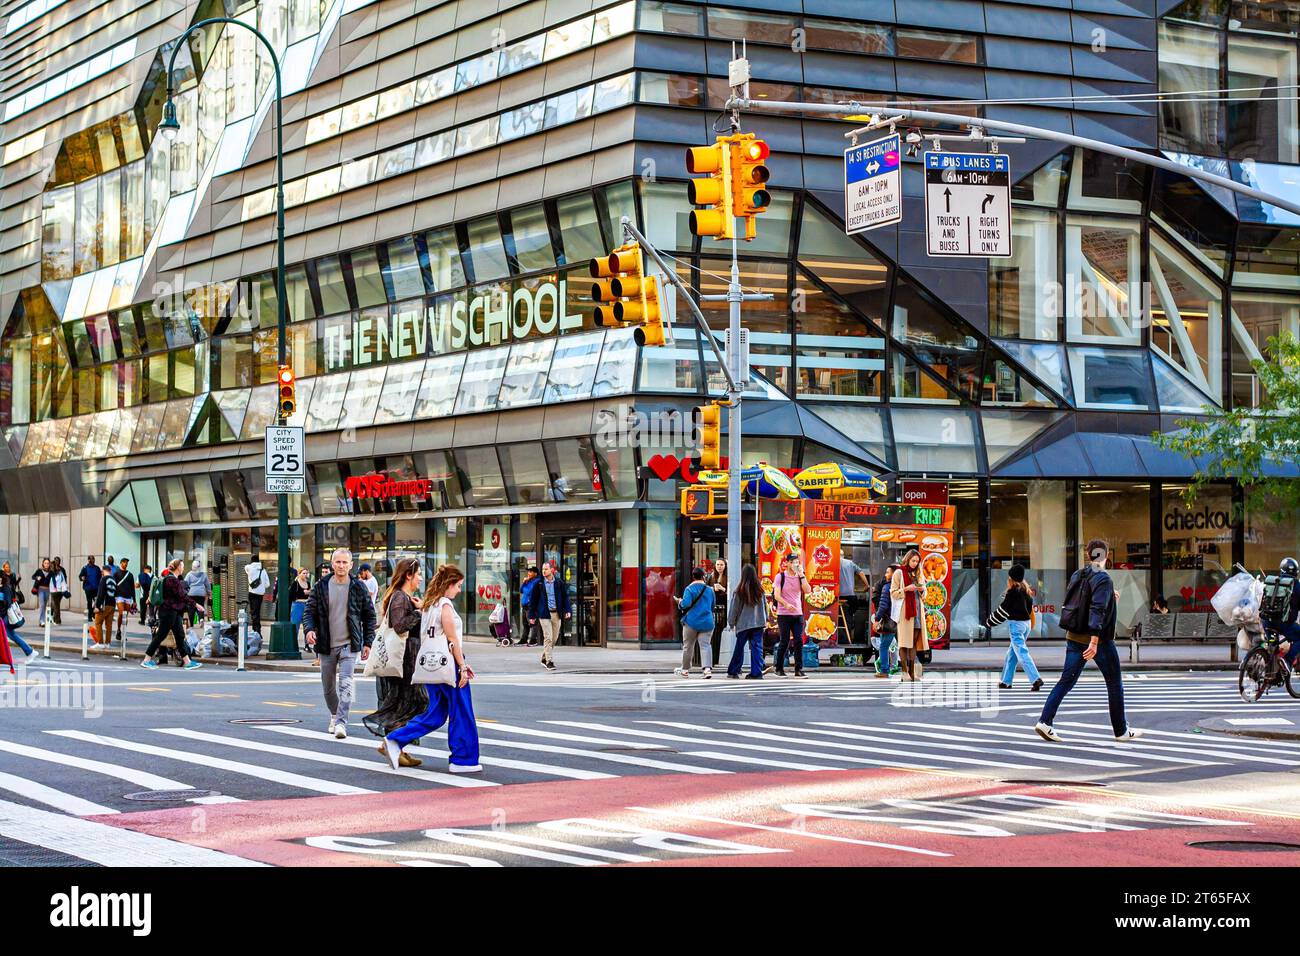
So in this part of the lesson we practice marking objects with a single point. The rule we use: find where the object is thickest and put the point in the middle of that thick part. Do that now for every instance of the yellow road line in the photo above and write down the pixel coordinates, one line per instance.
(285, 703)
(216, 696)
(152, 690)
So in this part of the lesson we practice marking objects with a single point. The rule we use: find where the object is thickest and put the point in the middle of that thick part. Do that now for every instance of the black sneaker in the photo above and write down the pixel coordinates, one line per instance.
(549, 665)
(1002, 686)
(753, 677)
(1037, 685)
(731, 676)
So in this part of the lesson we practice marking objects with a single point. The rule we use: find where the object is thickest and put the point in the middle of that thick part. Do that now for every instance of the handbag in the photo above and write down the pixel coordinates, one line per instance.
(15, 617)
(386, 655)
(498, 614)
(434, 663)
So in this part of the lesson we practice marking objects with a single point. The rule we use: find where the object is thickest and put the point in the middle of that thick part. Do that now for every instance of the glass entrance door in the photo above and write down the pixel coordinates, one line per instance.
(578, 560)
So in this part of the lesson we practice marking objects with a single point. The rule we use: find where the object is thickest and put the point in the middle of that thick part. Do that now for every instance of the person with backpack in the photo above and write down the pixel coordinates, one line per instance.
(696, 607)
(885, 627)
(259, 582)
(105, 608)
(175, 604)
(1017, 610)
(89, 577)
(789, 588)
(10, 595)
(747, 617)
(1088, 618)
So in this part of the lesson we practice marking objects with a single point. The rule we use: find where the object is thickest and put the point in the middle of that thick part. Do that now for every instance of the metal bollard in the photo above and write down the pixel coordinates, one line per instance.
(85, 641)
(243, 637)
(47, 635)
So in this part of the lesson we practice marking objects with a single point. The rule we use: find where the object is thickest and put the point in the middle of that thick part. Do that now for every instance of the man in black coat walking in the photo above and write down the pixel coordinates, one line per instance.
(340, 623)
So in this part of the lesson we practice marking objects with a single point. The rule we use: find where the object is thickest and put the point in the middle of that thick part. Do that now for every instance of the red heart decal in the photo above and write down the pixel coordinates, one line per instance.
(663, 466)
(1186, 593)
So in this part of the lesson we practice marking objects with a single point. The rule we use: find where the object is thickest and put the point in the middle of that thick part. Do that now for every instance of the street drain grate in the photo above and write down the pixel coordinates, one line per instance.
(264, 721)
(638, 750)
(1055, 783)
(1246, 846)
(168, 796)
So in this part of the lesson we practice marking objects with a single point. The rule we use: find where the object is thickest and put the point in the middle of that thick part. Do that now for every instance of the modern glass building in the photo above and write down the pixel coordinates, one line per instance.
(450, 169)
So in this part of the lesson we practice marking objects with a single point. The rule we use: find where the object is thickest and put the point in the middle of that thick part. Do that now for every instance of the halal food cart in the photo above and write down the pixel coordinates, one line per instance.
(820, 530)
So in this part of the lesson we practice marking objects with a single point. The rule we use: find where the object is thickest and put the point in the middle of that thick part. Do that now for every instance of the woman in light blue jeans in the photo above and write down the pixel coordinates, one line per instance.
(1017, 609)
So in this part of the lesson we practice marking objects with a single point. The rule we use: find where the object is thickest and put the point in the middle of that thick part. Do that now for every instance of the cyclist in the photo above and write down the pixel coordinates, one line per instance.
(1283, 618)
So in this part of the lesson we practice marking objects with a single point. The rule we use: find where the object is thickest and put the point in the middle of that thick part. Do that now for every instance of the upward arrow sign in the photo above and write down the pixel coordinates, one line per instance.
(947, 199)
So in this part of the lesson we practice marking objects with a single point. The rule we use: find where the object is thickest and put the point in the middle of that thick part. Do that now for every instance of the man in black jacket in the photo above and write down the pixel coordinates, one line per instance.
(1096, 643)
(340, 623)
(549, 605)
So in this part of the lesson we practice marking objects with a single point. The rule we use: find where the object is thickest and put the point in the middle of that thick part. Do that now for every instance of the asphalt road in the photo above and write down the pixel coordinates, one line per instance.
(613, 769)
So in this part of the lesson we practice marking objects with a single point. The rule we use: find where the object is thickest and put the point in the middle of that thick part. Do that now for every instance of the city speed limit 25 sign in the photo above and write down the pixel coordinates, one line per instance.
(968, 204)
(286, 460)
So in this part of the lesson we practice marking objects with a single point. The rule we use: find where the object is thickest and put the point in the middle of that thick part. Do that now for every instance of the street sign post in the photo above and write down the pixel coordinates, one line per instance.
(873, 184)
(968, 204)
(286, 460)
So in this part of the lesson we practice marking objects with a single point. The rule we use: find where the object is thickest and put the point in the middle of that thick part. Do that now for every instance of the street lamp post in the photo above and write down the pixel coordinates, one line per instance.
(284, 645)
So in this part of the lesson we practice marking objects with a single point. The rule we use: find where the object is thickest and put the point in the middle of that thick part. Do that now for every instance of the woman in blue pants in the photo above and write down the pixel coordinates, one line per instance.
(449, 704)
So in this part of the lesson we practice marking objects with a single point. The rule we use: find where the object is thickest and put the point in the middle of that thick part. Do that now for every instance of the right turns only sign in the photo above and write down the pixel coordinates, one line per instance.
(968, 204)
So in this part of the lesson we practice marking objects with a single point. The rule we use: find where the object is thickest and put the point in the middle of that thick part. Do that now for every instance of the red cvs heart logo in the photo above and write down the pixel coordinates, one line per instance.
(664, 466)
(1187, 593)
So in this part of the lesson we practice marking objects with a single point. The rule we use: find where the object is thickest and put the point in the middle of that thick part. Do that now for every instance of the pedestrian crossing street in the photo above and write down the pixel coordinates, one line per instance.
(968, 691)
(84, 773)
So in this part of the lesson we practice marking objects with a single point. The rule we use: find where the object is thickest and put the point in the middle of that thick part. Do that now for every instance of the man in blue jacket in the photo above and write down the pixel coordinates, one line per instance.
(526, 602)
(549, 606)
(89, 578)
(1096, 642)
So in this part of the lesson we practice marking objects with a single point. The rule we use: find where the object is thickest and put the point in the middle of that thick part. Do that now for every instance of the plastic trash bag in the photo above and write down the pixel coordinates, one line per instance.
(205, 647)
(1237, 601)
(228, 648)
(254, 645)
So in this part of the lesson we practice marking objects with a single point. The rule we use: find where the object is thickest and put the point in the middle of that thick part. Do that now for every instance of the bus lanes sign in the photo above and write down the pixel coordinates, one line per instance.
(968, 204)
(873, 189)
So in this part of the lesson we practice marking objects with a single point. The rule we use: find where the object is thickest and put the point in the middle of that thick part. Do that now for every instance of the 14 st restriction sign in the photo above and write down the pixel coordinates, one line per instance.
(873, 192)
(968, 204)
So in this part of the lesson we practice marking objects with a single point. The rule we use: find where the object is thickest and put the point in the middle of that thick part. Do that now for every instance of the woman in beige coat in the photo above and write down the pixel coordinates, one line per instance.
(905, 591)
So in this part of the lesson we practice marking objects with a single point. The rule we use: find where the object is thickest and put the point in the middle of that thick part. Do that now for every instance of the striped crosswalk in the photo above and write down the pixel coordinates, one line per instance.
(77, 773)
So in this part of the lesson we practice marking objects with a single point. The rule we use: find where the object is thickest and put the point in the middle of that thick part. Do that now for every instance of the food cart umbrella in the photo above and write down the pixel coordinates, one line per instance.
(822, 481)
(764, 481)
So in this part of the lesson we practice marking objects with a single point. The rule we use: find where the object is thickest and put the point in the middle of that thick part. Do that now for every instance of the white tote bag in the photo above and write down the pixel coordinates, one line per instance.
(386, 653)
(434, 663)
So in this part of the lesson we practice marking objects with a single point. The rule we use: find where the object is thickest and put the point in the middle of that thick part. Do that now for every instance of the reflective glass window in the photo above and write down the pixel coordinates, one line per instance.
(366, 278)
(749, 25)
(1186, 317)
(1189, 63)
(614, 92)
(175, 423)
(261, 411)
(838, 354)
(403, 273)
(1105, 183)
(522, 55)
(146, 432)
(1175, 392)
(574, 474)
(176, 504)
(573, 368)
(327, 402)
(945, 347)
(617, 364)
(848, 36)
(58, 222)
(441, 384)
(525, 377)
(933, 45)
(532, 238)
(397, 400)
(1261, 115)
(1256, 318)
(527, 479)
(1021, 303)
(1110, 378)
(667, 214)
(935, 440)
(579, 227)
(1120, 514)
(1046, 362)
(444, 259)
(330, 284)
(124, 432)
(487, 254)
(671, 17)
(481, 480)
(842, 264)
(88, 227)
(1104, 256)
(671, 89)
(231, 405)
(566, 39)
(481, 382)
(363, 397)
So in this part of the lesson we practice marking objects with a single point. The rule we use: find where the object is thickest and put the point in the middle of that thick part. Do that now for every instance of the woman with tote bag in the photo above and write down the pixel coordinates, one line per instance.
(905, 591)
(400, 700)
(448, 681)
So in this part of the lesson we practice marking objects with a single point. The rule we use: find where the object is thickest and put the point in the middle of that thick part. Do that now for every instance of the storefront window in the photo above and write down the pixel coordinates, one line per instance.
(480, 473)
(967, 500)
(1031, 528)
(573, 473)
(1120, 515)
(1197, 546)
(660, 575)
(524, 469)
(489, 570)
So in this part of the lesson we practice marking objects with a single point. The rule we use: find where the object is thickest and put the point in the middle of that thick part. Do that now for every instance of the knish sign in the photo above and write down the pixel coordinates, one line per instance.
(451, 323)
(378, 485)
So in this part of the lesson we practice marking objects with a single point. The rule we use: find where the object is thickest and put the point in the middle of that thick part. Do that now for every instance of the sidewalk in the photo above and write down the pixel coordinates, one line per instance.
(490, 658)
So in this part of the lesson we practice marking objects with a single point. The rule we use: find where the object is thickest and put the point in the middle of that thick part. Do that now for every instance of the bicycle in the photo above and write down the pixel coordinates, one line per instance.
(1263, 668)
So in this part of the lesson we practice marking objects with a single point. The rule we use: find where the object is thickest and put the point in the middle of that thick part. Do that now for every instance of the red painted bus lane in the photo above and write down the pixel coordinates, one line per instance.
(880, 817)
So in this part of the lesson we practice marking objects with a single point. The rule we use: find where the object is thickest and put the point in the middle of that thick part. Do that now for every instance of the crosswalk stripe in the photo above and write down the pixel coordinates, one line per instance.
(1236, 743)
(150, 781)
(1019, 733)
(378, 765)
(884, 732)
(786, 751)
(1150, 743)
(103, 844)
(757, 761)
(504, 762)
(40, 793)
(626, 759)
(313, 784)
(754, 735)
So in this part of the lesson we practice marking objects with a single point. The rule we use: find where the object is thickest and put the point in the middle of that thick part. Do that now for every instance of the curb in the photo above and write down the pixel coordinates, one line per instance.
(1219, 725)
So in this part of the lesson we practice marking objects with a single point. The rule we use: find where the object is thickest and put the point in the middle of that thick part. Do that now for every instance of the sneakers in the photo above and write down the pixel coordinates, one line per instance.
(753, 677)
(882, 675)
(340, 730)
(392, 752)
(780, 673)
(1037, 685)
(1047, 733)
(801, 675)
(330, 728)
(708, 673)
(1129, 734)
(34, 657)
(149, 663)
(464, 768)
(681, 672)
(406, 760)
(1002, 686)
(192, 666)
(731, 676)
(768, 669)
(549, 665)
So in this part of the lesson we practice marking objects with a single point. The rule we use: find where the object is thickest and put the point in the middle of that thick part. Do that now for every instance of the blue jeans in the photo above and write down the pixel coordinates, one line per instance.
(753, 637)
(454, 707)
(42, 602)
(13, 636)
(1292, 633)
(886, 642)
(1018, 652)
(1108, 660)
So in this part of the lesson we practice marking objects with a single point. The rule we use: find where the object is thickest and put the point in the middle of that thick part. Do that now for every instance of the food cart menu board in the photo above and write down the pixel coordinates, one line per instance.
(854, 512)
(819, 549)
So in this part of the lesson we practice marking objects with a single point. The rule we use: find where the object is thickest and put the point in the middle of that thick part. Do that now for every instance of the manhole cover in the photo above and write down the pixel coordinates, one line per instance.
(1246, 846)
(638, 750)
(616, 709)
(1055, 783)
(264, 721)
(168, 796)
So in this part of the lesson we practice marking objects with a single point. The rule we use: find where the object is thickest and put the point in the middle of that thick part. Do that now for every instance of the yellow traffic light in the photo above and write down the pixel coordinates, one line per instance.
(719, 221)
(625, 295)
(708, 419)
(288, 391)
(749, 178)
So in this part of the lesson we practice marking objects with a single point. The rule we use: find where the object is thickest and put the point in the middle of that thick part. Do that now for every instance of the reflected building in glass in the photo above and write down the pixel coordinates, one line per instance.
(450, 170)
